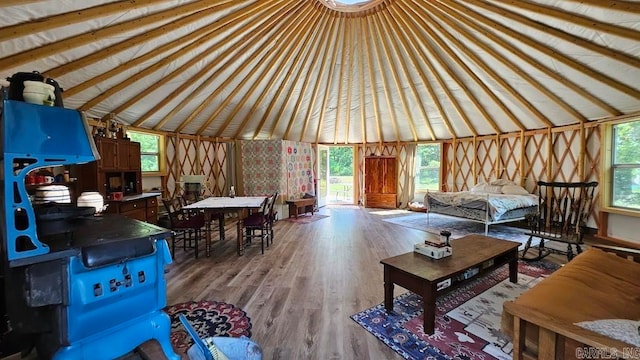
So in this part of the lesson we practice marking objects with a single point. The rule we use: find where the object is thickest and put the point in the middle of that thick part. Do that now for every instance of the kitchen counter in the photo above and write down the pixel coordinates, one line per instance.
(142, 207)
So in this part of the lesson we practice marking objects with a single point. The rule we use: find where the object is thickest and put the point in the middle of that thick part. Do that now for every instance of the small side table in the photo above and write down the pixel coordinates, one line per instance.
(301, 206)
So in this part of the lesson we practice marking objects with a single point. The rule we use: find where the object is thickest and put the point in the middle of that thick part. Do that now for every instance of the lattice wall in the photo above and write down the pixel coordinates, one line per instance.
(568, 154)
(190, 155)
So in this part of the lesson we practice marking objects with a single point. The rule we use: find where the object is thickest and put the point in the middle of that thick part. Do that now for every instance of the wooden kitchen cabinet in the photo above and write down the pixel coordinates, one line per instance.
(108, 149)
(380, 182)
(143, 207)
(118, 170)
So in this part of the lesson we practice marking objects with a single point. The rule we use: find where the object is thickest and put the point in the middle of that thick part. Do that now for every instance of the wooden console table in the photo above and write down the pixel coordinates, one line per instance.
(301, 206)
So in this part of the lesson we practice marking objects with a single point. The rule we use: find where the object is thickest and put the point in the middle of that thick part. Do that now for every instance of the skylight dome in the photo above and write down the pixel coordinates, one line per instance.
(351, 5)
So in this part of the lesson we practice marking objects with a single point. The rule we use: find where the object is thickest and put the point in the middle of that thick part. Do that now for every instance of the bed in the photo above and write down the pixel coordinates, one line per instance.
(487, 203)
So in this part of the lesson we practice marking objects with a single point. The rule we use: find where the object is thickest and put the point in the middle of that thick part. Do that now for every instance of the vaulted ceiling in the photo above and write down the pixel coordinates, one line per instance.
(320, 71)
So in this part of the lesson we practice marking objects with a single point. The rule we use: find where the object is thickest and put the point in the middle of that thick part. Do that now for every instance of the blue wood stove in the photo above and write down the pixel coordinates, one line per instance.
(76, 287)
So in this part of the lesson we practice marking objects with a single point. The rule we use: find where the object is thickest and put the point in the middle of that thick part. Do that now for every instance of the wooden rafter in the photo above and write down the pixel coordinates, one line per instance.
(385, 86)
(69, 18)
(310, 75)
(361, 77)
(462, 65)
(492, 73)
(24, 57)
(628, 6)
(398, 35)
(341, 76)
(230, 54)
(552, 73)
(327, 89)
(447, 16)
(589, 23)
(399, 84)
(374, 99)
(262, 55)
(438, 77)
(157, 66)
(284, 57)
(199, 37)
(270, 17)
(553, 53)
(410, 41)
(287, 84)
(347, 117)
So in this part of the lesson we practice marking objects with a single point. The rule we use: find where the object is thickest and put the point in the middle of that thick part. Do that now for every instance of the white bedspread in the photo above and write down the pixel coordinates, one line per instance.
(498, 203)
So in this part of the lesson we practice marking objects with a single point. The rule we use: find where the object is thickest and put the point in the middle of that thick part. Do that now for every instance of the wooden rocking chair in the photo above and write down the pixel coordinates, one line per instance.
(563, 211)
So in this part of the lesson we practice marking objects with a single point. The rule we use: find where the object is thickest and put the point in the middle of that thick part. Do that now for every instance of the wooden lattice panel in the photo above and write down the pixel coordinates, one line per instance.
(447, 175)
(592, 169)
(486, 157)
(404, 165)
(464, 176)
(213, 163)
(535, 160)
(510, 150)
(173, 169)
(566, 151)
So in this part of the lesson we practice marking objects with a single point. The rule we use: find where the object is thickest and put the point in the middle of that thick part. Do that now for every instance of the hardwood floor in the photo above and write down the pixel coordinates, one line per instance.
(301, 292)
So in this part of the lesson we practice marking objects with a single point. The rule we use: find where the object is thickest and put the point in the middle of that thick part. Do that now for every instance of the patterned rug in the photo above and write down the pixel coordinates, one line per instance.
(467, 318)
(306, 218)
(458, 227)
(209, 318)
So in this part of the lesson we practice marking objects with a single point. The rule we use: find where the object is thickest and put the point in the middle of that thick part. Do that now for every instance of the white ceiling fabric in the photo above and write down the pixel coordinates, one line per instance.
(397, 70)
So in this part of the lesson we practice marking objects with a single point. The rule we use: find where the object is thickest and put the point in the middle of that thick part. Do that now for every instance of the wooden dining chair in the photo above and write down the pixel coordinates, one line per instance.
(185, 226)
(256, 225)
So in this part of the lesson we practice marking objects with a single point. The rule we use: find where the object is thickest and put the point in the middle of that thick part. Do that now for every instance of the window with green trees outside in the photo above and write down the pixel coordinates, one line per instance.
(151, 146)
(427, 167)
(625, 166)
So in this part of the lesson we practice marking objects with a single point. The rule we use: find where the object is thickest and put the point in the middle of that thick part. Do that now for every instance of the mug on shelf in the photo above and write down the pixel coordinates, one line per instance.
(49, 179)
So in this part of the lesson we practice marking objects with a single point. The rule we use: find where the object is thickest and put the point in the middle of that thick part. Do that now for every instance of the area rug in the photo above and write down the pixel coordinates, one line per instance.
(306, 219)
(467, 318)
(209, 318)
(458, 227)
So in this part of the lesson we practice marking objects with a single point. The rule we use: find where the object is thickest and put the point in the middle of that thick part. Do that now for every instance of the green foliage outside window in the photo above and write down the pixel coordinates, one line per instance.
(149, 150)
(626, 165)
(427, 167)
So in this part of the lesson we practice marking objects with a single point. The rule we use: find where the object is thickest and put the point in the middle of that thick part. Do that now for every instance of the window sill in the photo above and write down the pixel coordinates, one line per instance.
(627, 212)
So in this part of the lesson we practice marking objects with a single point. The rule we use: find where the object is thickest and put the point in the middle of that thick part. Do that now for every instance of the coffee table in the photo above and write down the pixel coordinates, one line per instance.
(423, 275)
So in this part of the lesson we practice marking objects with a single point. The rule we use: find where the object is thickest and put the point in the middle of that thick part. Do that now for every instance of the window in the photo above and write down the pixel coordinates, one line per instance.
(625, 166)
(151, 151)
(427, 167)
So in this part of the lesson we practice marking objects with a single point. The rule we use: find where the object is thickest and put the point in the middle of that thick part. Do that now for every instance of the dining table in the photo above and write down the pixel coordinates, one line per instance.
(241, 205)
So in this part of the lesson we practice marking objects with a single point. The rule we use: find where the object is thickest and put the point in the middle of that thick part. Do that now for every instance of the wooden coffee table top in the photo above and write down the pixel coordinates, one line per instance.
(468, 251)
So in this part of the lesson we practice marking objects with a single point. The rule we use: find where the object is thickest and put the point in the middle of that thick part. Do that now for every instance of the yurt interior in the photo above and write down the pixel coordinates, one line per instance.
(249, 179)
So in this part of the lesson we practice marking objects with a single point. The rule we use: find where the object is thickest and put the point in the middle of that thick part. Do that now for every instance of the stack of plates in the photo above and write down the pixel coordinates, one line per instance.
(52, 193)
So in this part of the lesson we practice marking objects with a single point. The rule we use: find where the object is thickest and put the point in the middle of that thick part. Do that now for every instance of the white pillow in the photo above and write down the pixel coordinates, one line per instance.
(514, 190)
(620, 329)
(487, 188)
(501, 182)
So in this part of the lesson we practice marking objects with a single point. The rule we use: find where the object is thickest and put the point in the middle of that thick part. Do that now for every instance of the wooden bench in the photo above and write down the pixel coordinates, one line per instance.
(301, 206)
(542, 320)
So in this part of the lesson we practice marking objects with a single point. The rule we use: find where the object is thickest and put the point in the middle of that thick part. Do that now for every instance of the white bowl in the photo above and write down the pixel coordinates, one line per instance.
(34, 97)
(91, 198)
(33, 85)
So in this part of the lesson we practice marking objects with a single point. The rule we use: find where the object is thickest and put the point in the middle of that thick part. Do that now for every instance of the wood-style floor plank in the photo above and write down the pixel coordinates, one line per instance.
(301, 292)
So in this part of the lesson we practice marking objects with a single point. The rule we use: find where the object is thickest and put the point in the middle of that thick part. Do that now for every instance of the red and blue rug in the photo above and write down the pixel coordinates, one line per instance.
(208, 318)
(467, 318)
